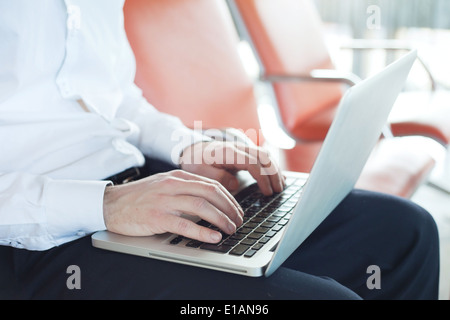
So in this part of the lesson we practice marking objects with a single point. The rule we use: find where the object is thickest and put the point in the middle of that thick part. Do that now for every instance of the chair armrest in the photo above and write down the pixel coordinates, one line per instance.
(318, 75)
(385, 44)
(324, 75)
(388, 45)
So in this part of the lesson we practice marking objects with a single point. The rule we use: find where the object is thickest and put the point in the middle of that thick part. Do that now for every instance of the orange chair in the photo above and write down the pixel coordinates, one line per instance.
(289, 43)
(188, 64)
(423, 113)
(287, 39)
(288, 54)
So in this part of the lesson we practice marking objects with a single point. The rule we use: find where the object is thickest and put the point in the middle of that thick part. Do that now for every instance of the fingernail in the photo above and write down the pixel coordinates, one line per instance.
(238, 222)
(231, 228)
(216, 236)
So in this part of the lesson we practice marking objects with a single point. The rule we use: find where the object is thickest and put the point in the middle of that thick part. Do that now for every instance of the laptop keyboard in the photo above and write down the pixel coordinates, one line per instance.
(264, 217)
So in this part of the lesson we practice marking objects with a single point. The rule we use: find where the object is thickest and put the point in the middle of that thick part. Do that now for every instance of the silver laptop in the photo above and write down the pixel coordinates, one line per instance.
(276, 226)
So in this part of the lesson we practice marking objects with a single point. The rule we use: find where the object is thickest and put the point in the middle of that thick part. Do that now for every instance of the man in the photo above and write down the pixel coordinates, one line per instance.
(73, 121)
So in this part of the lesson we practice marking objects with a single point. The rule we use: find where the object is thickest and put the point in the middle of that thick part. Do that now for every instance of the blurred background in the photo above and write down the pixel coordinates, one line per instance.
(362, 37)
(423, 24)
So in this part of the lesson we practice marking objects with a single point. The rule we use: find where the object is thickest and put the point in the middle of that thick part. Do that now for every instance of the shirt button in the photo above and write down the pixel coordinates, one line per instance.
(64, 87)
(15, 244)
(73, 17)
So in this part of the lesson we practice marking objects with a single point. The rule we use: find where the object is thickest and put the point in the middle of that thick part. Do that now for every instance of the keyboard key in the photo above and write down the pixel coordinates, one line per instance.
(290, 191)
(285, 196)
(239, 249)
(268, 224)
(262, 229)
(264, 214)
(250, 253)
(230, 242)
(204, 223)
(277, 227)
(250, 212)
(258, 220)
(259, 203)
(248, 241)
(217, 248)
(290, 203)
(285, 207)
(279, 213)
(243, 195)
(258, 246)
(272, 206)
(251, 224)
(194, 244)
(270, 234)
(237, 236)
(264, 240)
(273, 219)
(246, 203)
(176, 240)
(255, 235)
(244, 230)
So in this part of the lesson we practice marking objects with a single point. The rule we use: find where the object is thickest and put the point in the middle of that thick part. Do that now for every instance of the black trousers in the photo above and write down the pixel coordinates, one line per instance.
(337, 261)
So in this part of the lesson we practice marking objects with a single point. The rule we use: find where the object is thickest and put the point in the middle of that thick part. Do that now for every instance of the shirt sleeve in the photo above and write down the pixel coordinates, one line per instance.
(161, 135)
(38, 213)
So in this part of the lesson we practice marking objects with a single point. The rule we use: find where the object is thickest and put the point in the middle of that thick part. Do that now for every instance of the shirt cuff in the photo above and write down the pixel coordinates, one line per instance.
(74, 208)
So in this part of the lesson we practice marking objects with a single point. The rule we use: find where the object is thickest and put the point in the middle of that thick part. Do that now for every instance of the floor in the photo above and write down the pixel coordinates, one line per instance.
(437, 201)
(438, 204)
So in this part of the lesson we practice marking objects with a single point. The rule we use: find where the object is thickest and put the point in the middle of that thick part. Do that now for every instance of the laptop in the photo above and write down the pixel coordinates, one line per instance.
(275, 226)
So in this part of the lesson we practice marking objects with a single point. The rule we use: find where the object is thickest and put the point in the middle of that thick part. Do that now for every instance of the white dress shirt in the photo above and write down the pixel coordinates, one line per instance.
(54, 154)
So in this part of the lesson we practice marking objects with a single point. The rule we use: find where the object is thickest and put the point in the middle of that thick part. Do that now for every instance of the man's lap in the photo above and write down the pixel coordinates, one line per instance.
(366, 229)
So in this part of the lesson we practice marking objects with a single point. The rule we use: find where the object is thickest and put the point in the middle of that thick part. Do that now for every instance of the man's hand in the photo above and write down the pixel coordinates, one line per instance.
(221, 160)
(156, 205)
(161, 202)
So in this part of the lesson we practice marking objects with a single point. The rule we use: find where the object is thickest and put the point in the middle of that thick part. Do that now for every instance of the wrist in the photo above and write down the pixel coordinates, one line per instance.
(108, 204)
(192, 154)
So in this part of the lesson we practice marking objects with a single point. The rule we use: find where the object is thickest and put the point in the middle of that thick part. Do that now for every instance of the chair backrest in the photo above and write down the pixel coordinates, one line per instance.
(288, 39)
(188, 64)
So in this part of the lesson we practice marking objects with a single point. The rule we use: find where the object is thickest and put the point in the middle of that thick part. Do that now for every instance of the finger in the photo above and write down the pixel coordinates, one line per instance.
(202, 208)
(235, 158)
(184, 227)
(270, 168)
(226, 178)
(200, 178)
(232, 156)
(184, 183)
